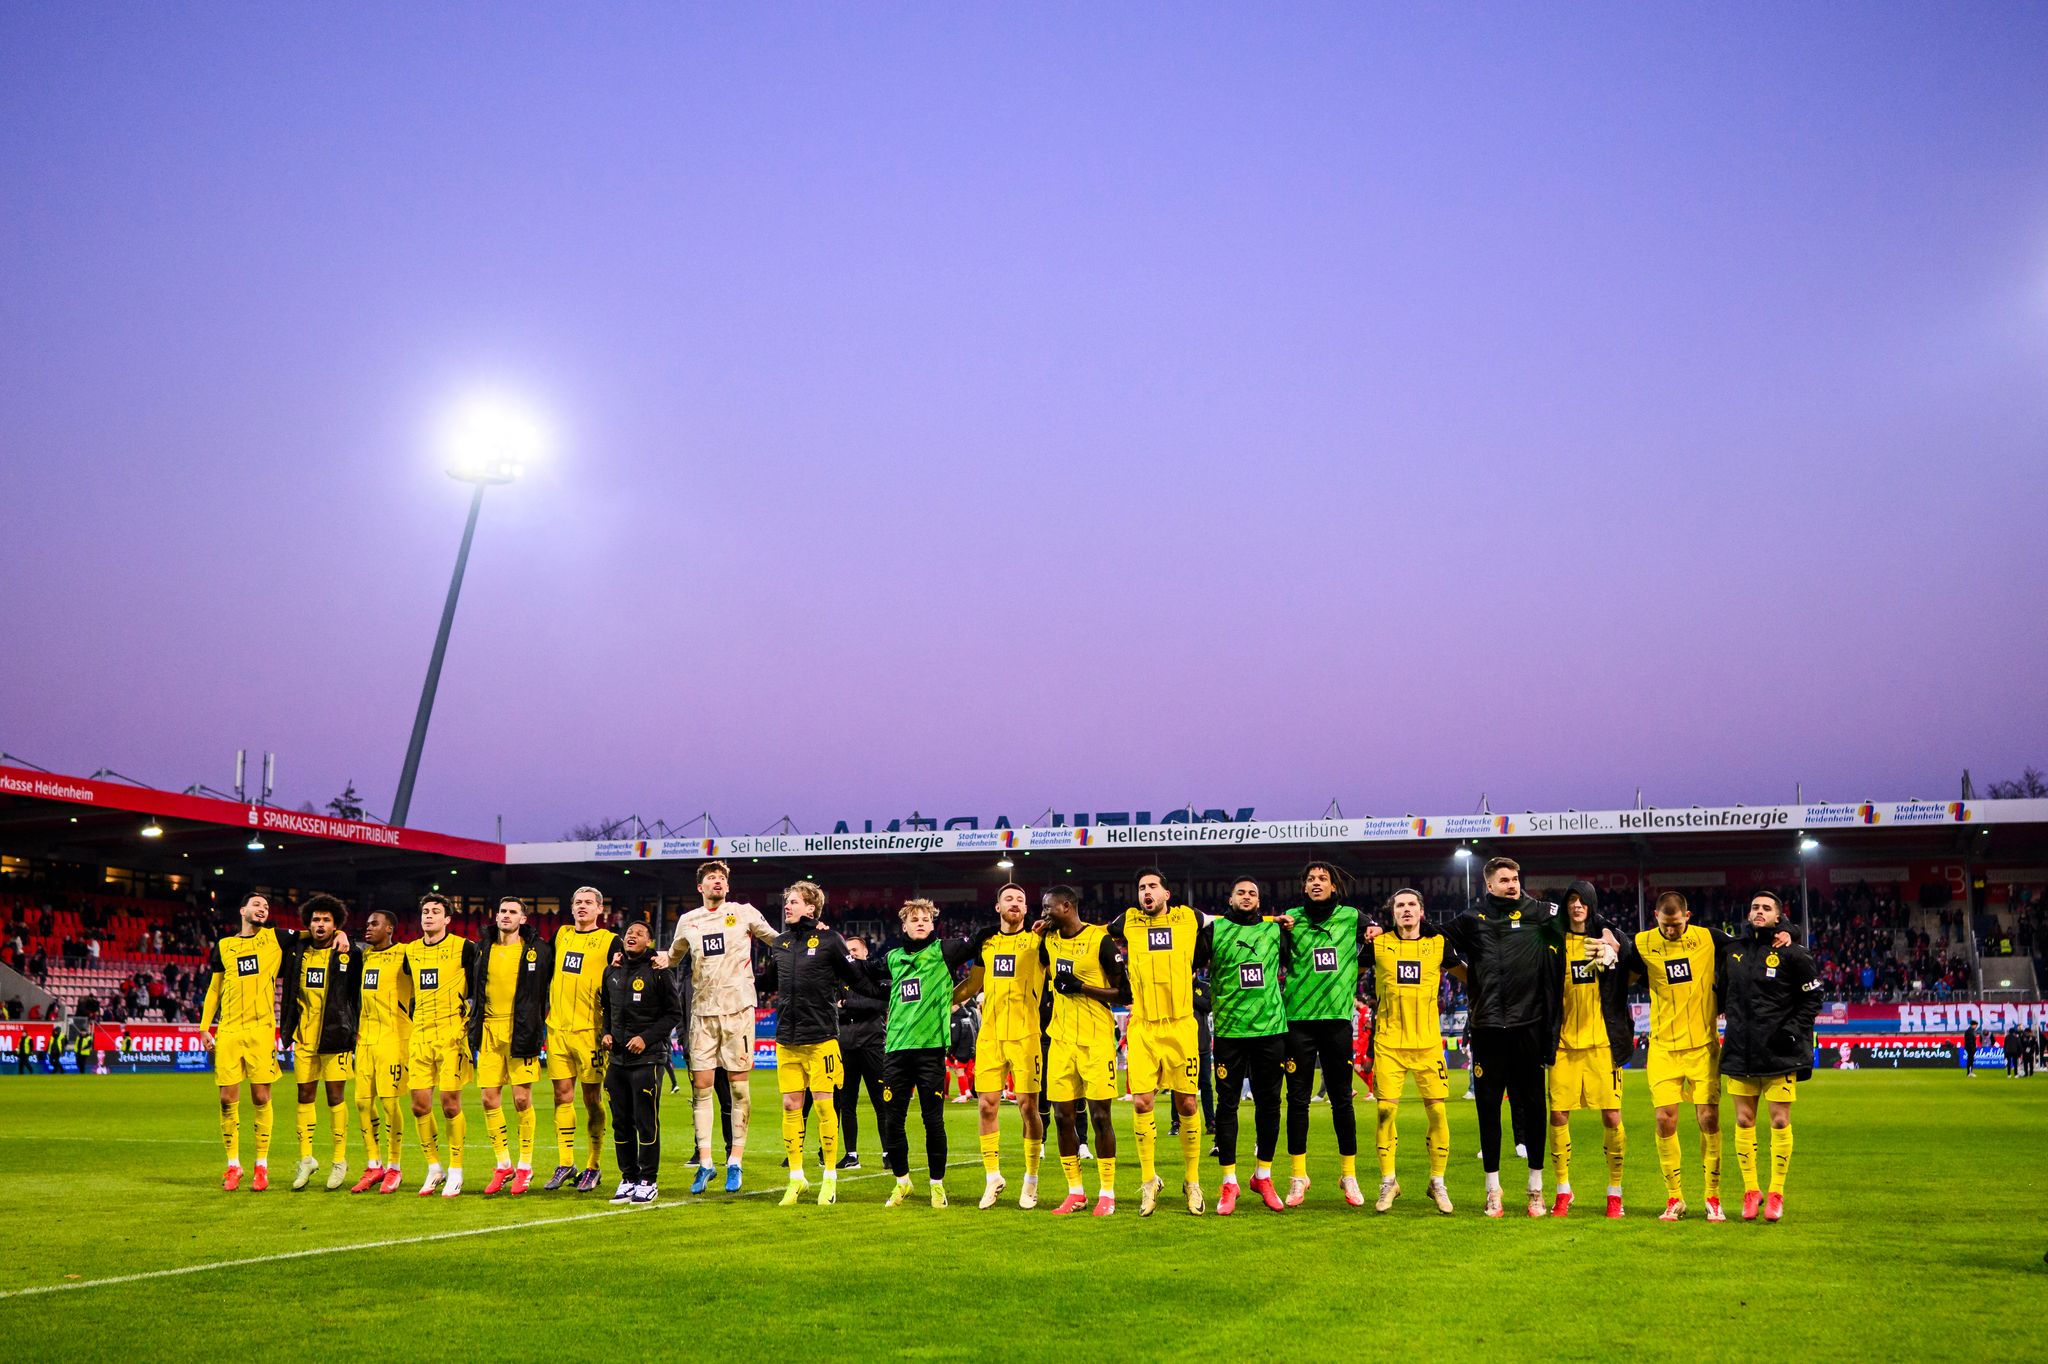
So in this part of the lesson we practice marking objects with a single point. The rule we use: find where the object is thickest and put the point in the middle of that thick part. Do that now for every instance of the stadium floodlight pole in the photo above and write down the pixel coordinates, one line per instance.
(1464, 856)
(488, 442)
(1807, 847)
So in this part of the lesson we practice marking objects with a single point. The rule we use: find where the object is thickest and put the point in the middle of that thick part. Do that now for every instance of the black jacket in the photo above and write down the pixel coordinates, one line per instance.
(529, 995)
(636, 1000)
(1614, 1010)
(808, 968)
(1511, 969)
(861, 1021)
(1772, 996)
(339, 1009)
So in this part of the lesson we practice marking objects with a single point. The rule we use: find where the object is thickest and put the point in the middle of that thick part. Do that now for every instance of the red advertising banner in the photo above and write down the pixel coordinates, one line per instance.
(1935, 1018)
(11, 1034)
(152, 1046)
(15, 781)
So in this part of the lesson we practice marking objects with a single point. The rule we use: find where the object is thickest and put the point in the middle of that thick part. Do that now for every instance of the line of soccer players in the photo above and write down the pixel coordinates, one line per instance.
(1548, 991)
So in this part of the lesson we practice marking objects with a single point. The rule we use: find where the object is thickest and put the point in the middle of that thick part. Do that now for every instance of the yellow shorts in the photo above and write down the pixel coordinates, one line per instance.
(438, 1065)
(251, 1056)
(575, 1056)
(1163, 1056)
(1391, 1067)
(1584, 1077)
(308, 1066)
(1073, 1072)
(497, 1067)
(722, 1041)
(1777, 1089)
(815, 1067)
(1691, 1076)
(1020, 1057)
(380, 1069)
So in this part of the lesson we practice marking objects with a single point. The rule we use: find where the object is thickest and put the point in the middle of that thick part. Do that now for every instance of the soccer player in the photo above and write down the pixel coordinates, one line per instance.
(508, 1020)
(860, 1057)
(1408, 1039)
(319, 1017)
(1322, 999)
(1010, 976)
(582, 950)
(639, 1008)
(1681, 963)
(383, 1038)
(1512, 945)
(918, 980)
(1249, 957)
(240, 1022)
(711, 942)
(1164, 945)
(808, 967)
(1772, 997)
(1596, 1035)
(438, 1062)
(1087, 983)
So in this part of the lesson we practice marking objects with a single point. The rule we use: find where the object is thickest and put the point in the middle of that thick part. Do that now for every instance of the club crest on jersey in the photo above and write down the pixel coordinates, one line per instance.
(246, 966)
(342, 961)
(1408, 973)
(811, 943)
(1003, 965)
(1678, 971)
(732, 921)
(638, 984)
(1771, 960)
(531, 957)
(1159, 939)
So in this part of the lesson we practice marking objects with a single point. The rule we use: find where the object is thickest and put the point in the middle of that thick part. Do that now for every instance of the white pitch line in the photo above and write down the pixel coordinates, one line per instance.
(310, 1252)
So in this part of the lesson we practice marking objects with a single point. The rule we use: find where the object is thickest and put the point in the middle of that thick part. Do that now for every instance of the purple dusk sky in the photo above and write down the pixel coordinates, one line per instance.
(980, 408)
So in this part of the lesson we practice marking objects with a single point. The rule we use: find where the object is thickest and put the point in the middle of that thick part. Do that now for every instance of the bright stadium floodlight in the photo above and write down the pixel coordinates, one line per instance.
(152, 830)
(1809, 845)
(255, 843)
(487, 439)
(1005, 864)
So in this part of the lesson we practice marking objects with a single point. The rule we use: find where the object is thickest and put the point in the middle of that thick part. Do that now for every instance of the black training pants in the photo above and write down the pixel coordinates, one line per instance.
(634, 1095)
(1324, 1042)
(862, 1067)
(1510, 1061)
(1262, 1060)
(923, 1070)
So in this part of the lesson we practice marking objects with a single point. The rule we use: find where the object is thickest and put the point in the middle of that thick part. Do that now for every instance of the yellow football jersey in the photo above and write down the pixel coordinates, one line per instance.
(1012, 987)
(1584, 1024)
(244, 985)
(1407, 976)
(580, 959)
(501, 978)
(440, 987)
(1680, 974)
(387, 998)
(314, 965)
(1077, 1020)
(1160, 952)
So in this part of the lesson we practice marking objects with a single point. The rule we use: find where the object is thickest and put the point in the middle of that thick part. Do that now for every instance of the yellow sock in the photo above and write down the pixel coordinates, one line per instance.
(793, 1140)
(529, 1122)
(1230, 1174)
(430, 1136)
(1191, 1147)
(394, 1131)
(458, 1127)
(1034, 1151)
(1781, 1157)
(1300, 1164)
(337, 1123)
(991, 1156)
(1386, 1138)
(373, 1138)
(1071, 1167)
(1710, 1157)
(1668, 1161)
(263, 1119)
(1105, 1175)
(1745, 1157)
(1438, 1120)
(828, 1135)
(565, 1134)
(1561, 1157)
(307, 1114)
(1347, 1167)
(597, 1137)
(500, 1130)
(231, 1130)
(1146, 1125)
(1614, 1140)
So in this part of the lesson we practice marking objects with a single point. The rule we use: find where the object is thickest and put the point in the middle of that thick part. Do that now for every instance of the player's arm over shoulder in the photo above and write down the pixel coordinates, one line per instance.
(759, 926)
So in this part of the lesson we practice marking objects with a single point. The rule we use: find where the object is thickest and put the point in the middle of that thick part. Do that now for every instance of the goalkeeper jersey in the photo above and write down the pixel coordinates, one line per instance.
(721, 960)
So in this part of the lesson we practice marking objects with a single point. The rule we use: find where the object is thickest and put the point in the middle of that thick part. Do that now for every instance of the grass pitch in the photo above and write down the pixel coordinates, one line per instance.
(1916, 1222)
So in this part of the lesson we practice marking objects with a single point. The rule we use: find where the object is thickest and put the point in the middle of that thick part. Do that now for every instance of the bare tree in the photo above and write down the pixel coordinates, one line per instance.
(347, 805)
(2031, 784)
(593, 831)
